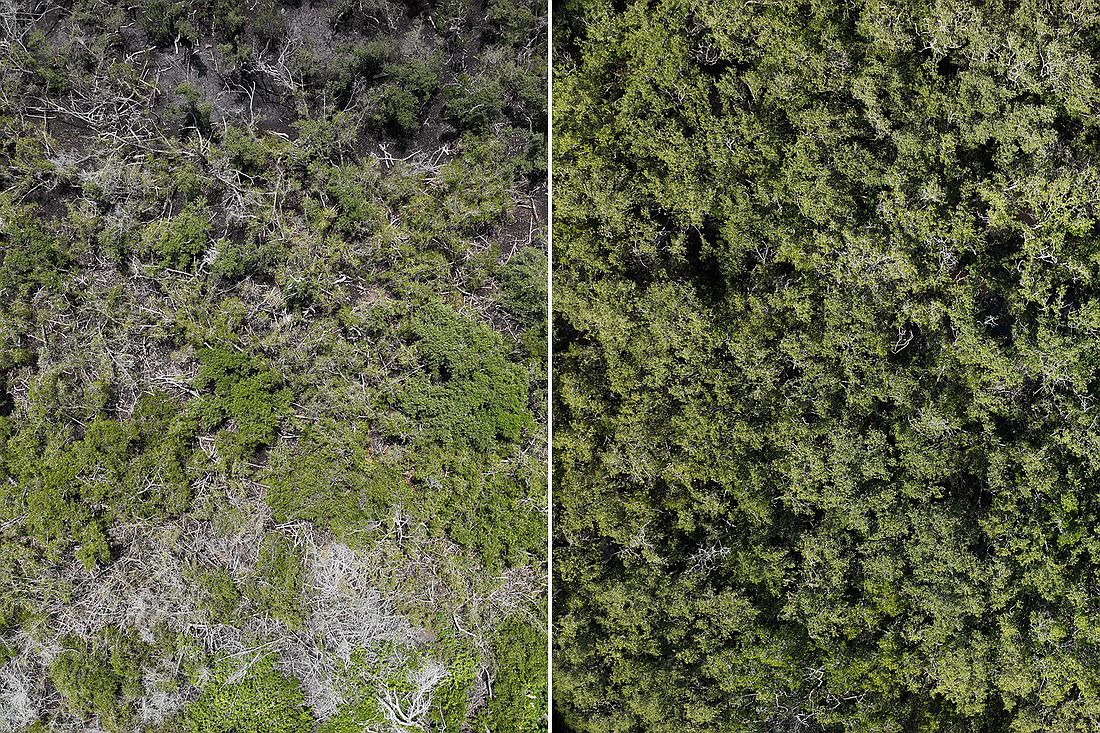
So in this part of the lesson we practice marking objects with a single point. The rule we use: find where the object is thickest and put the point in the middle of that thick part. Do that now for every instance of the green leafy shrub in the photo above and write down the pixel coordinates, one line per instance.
(518, 703)
(269, 25)
(824, 359)
(158, 477)
(178, 241)
(53, 75)
(373, 55)
(398, 110)
(263, 701)
(358, 688)
(470, 394)
(193, 115)
(330, 138)
(102, 677)
(245, 151)
(354, 190)
(330, 478)
(513, 21)
(93, 546)
(449, 699)
(84, 680)
(475, 107)
(469, 192)
(523, 286)
(73, 489)
(352, 717)
(417, 76)
(30, 157)
(481, 505)
(525, 104)
(248, 253)
(243, 390)
(61, 510)
(161, 20)
(226, 18)
(275, 588)
(32, 257)
(352, 63)
(503, 158)
(218, 594)
(519, 688)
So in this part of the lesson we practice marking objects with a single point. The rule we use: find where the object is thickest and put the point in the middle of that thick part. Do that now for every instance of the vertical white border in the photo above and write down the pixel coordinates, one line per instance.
(549, 365)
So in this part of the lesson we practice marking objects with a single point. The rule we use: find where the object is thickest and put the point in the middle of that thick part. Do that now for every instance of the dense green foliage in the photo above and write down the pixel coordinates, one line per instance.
(275, 587)
(468, 393)
(243, 392)
(826, 366)
(261, 701)
(102, 677)
(272, 377)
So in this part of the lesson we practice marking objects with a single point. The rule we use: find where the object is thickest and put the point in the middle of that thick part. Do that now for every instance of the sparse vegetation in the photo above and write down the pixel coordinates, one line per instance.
(270, 418)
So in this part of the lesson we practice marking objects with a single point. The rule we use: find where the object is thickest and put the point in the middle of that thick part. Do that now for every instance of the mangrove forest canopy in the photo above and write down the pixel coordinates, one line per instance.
(827, 366)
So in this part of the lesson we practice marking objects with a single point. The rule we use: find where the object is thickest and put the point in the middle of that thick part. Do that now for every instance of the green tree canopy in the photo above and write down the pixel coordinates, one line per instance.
(826, 366)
